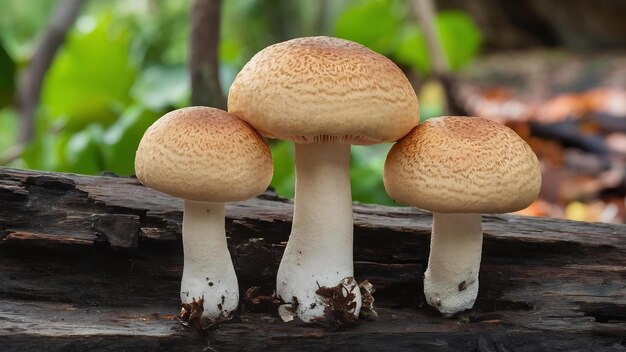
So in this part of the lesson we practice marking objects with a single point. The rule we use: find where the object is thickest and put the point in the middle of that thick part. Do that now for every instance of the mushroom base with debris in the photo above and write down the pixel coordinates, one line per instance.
(208, 275)
(451, 280)
(191, 315)
(319, 252)
(339, 305)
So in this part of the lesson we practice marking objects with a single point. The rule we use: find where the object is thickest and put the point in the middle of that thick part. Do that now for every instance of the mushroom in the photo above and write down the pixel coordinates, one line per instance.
(207, 157)
(459, 168)
(324, 94)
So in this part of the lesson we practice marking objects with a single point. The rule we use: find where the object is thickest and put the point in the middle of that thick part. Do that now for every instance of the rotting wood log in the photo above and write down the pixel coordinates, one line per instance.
(94, 263)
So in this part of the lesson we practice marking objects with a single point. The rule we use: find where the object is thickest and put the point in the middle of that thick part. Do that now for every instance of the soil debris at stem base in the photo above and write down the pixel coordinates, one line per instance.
(254, 301)
(340, 304)
(190, 315)
(367, 306)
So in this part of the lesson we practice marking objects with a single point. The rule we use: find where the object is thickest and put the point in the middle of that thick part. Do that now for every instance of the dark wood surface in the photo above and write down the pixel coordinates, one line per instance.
(94, 263)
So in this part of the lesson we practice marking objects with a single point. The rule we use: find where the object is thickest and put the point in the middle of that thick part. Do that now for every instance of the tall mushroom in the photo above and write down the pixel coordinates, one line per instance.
(459, 168)
(207, 157)
(323, 94)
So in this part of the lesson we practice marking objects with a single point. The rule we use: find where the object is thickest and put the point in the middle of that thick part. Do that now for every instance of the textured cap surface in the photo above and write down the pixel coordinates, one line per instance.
(204, 154)
(463, 165)
(323, 89)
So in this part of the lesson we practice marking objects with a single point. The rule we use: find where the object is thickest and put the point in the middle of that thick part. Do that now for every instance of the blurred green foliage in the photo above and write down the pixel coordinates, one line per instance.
(7, 78)
(386, 27)
(90, 79)
(8, 128)
(123, 65)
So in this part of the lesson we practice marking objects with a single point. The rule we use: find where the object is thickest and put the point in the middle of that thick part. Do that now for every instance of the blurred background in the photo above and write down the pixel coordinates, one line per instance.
(81, 80)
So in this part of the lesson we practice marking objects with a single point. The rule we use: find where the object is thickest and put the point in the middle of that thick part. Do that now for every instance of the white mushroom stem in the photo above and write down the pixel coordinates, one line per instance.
(319, 251)
(451, 280)
(208, 270)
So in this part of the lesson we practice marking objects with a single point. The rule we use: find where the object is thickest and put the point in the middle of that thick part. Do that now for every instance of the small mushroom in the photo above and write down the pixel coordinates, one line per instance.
(323, 94)
(207, 157)
(459, 168)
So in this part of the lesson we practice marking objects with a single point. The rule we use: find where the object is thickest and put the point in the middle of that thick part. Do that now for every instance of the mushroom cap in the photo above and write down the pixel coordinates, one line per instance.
(455, 164)
(324, 89)
(204, 154)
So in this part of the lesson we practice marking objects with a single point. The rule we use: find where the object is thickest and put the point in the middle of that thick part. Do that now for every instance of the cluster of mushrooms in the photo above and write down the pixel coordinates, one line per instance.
(325, 94)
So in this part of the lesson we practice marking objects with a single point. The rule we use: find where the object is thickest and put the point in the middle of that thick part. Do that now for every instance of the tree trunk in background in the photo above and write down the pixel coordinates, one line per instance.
(425, 13)
(29, 87)
(203, 57)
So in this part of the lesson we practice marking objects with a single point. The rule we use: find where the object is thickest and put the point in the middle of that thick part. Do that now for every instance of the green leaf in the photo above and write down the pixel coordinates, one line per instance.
(120, 140)
(230, 50)
(9, 127)
(7, 78)
(64, 151)
(284, 169)
(460, 37)
(83, 153)
(372, 23)
(412, 50)
(91, 75)
(46, 152)
(366, 168)
(21, 24)
(162, 87)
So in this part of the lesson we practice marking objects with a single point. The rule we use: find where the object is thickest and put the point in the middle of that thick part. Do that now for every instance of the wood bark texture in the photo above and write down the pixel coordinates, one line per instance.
(94, 263)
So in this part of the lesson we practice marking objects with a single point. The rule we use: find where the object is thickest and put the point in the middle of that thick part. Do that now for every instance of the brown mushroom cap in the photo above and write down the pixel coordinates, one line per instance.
(457, 164)
(323, 89)
(204, 154)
